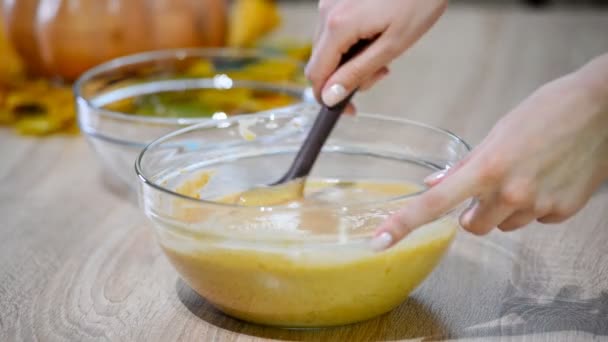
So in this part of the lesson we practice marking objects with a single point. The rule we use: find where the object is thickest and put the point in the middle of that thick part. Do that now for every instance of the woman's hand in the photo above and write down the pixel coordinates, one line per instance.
(542, 162)
(395, 25)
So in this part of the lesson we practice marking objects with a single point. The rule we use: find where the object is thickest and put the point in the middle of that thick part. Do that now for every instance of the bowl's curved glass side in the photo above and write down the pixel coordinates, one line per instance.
(434, 147)
(257, 150)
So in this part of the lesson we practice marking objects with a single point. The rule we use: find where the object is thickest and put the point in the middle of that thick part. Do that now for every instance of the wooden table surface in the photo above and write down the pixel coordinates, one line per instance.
(78, 262)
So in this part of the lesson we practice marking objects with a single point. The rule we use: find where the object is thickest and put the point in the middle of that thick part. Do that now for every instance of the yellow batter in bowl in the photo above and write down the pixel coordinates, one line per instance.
(299, 283)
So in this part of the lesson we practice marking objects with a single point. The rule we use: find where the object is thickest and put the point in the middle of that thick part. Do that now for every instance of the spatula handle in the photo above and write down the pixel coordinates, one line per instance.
(322, 127)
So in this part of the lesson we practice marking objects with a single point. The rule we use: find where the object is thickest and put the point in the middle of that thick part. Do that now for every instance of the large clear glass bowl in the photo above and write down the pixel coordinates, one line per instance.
(117, 137)
(263, 264)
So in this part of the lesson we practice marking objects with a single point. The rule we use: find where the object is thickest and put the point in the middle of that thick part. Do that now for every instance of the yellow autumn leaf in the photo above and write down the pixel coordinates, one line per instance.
(250, 20)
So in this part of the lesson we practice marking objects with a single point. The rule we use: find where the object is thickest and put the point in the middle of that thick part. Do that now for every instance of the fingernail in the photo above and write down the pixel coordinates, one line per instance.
(381, 242)
(434, 177)
(334, 94)
(466, 218)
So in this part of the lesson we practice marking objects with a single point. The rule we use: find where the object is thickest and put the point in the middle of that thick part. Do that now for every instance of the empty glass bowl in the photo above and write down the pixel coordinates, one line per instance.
(295, 265)
(124, 104)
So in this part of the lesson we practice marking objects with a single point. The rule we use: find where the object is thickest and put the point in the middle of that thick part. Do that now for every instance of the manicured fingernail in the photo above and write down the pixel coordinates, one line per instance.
(434, 177)
(334, 94)
(467, 218)
(381, 242)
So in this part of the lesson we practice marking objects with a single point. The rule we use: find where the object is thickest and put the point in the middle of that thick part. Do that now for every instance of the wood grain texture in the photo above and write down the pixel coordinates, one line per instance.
(78, 262)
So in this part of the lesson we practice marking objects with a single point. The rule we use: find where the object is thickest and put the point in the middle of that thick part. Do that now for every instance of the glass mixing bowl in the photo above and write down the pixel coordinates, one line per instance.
(167, 84)
(294, 266)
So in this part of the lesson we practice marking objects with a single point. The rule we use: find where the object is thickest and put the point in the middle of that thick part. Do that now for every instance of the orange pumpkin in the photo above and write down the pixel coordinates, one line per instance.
(63, 38)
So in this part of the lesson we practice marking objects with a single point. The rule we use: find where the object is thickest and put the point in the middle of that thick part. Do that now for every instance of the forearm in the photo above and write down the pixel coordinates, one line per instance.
(594, 78)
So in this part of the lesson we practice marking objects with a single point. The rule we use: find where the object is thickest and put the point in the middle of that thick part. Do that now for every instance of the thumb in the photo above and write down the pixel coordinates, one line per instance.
(425, 208)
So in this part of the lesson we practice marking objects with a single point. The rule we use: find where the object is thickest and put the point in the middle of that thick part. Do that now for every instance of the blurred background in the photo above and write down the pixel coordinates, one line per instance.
(47, 44)
(536, 3)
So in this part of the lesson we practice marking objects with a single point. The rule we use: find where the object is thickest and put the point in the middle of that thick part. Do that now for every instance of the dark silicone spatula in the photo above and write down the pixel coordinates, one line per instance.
(291, 185)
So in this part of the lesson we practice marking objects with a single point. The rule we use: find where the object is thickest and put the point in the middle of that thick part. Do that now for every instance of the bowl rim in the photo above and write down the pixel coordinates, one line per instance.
(146, 181)
(177, 54)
